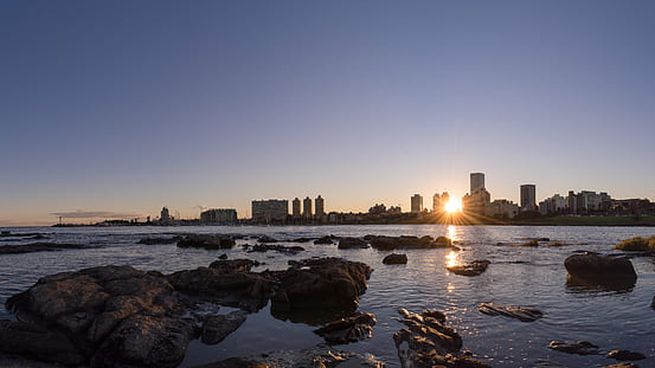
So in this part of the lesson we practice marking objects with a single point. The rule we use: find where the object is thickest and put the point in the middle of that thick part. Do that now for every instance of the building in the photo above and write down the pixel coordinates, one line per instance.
(554, 204)
(319, 203)
(528, 197)
(219, 216)
(439, 202)
(477, 182)
(502, 208)
(307, 207)
(295, 208)
(164, 216)
(270, 211)
(417, 203)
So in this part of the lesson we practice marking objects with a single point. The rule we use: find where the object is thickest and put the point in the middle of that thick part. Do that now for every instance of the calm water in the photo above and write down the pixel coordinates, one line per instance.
(608, 319)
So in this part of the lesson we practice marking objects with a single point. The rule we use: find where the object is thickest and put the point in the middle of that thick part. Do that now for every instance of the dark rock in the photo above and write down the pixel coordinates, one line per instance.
(9, 234)
(395, 258)
(38, 343)
(523, 314)
(621, 365)
(206, 241)
(301, 240)
(216, 328)
(532, 243)
(474, 268)
(157, 241)
(222, 256)
(615, 272)
(234, 363)
(233, 265)
(267, 239)
(428, 343)
(321, 283)
(580, 347)
(315, 357)
(652, 303)
(37, 247)
(352, 243)
(406, 242)
(325, 240)
(625, 355)
(275, 247)
(355, 328)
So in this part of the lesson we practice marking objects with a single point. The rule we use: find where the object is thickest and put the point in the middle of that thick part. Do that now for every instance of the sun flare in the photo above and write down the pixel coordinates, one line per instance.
(453, 205)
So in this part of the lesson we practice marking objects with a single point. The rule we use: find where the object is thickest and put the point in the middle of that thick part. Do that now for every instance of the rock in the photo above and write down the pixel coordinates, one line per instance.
(652, 303)
(532, 243)
(156, 241)
(267, 239)
(474, 268)
(614, 272)
(277, 248)
(37, 247)
(222, 256)
(523, 314)
(301, 240)
(216, 328)
(315, 357)
(234, 363)
(38, 343)
(428, 343)
(444, 241)
(637, 244)
(395, 258)
(321, 283)
(405, 242)
(325, 240)
(352, 243)
(209, 242)
(234, 265)
(625, 355)
(145, 341)
(579, 347)
(355, 328)
(621, 365)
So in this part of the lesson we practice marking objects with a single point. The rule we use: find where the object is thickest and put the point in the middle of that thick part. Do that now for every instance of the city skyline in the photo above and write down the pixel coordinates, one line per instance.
(120, 109)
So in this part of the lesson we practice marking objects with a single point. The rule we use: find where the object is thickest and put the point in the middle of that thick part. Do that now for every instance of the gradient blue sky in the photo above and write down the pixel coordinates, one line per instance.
(124, 106)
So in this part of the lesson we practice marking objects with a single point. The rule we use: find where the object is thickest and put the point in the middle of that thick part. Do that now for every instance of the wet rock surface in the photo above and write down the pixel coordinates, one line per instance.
(216, 328)
(160, 240)
(37, 247)
(619, 354)
(206, 241)
(637, 244)
(395, 259)
(380, 242)
(261, 248)
(474, 268)
(428, 343)
(523, 314)
(612, 272)
(356, 327)
(317, 358)
(578, 347)
(352, 243)
(267, 239)
(325, 240)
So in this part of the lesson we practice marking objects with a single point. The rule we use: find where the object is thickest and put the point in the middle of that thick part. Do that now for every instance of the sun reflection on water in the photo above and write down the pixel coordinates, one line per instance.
(451, 259)
(452, 232)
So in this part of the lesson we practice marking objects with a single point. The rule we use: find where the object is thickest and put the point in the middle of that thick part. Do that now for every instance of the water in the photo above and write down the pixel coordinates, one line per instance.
(517, 275)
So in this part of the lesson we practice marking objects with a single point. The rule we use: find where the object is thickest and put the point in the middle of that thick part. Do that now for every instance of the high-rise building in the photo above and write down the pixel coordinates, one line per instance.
(476, 202)
(502, 208)
(307, 207)
(295, 207)
(417, 203)
(320, 206)
(270, 210)
(439, 202)
(219, 216)
(164, 216)
(528, 197)
(477, 182)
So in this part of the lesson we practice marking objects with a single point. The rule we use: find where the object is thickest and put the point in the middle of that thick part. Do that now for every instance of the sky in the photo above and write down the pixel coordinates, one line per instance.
(118, 108)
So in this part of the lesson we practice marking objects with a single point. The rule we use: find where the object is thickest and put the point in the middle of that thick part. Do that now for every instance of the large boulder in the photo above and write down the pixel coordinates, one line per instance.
(356, 327)
(205, 241)
(395, 259)
(613, 272)
(321, 283)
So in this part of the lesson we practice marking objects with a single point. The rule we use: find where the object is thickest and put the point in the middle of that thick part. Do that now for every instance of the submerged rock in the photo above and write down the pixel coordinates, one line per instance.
(523, 314)
(157, 241)
(276, 248)
(407, 242)
(579, 347)
(216, 328)
(206, 241)
(613, 272)
(625, 355)
(352, 243)
(37, 247)
(321, 283)
(394, 258)
(428, 343)
(474, 268)
(356, 327)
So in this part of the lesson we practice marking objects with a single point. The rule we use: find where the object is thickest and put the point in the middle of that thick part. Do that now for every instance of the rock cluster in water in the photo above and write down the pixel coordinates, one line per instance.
(117, 316)
(357, 327)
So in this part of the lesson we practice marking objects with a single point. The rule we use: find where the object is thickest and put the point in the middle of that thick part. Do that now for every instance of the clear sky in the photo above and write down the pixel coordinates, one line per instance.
(124, 106)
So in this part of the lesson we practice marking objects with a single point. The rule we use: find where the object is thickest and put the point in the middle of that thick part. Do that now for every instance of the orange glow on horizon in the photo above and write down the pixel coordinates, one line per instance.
(453, 205)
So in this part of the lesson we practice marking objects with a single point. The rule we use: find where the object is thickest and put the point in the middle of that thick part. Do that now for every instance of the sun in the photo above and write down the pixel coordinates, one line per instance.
(453, 205)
